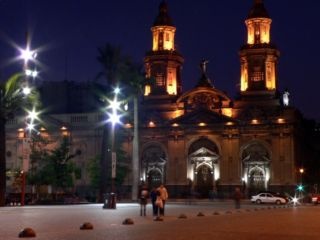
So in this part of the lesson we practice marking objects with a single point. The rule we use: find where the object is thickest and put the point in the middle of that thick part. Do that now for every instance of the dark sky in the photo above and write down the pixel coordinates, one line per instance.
(69, 32)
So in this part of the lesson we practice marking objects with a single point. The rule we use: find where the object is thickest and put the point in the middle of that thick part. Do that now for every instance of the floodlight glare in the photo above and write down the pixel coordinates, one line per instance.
(114, 118)
(26, 90)
(27, 54)
(117, 90)
(32, 115)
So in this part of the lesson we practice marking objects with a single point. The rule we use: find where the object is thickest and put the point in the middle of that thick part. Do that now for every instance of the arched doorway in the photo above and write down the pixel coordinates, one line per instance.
(204, 167)
(256, 167)
(154, 178)
(204, 180)
(256, 179)
(153, 165)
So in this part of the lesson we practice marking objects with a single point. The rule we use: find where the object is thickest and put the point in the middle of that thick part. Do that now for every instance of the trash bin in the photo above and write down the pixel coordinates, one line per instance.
(110, 201)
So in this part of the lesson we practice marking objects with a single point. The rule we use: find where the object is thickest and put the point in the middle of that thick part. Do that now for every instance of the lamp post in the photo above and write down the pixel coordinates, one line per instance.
(114, 118)
(300, 186)
(27, 55)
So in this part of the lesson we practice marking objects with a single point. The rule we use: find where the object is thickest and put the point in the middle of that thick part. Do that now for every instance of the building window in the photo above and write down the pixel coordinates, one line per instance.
(257, 76)
(167, 37)
(160, 79)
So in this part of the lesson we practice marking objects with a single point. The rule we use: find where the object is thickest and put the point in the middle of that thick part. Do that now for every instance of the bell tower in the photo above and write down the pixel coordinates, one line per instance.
(163, 63)
(258, 56)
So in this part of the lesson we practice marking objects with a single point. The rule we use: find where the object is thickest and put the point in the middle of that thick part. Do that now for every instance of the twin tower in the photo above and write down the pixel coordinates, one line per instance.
(258, 57)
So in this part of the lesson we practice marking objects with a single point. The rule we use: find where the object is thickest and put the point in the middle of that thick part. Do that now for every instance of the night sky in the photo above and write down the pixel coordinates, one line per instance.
(70, 31)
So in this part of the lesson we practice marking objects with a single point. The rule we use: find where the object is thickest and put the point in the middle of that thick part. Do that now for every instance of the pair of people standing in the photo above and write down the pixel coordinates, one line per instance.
(159, 197)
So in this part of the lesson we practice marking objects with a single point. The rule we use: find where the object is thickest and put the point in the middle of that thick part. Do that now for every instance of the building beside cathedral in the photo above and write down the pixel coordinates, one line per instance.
(200, 140)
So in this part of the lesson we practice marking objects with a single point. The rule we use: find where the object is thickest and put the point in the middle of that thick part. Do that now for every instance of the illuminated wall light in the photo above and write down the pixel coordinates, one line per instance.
(21, 133)
(229, 123)
(147, 90)
(64, 131)
(42, 129)
(175, 125)
(176, 113)
(152, 124)
(281, 120)
(202, 124)
(128, 125)
(227, 112)
(254, 121)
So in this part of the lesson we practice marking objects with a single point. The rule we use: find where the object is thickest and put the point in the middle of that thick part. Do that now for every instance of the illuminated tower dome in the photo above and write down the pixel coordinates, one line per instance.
(163, 63)
(258, 56)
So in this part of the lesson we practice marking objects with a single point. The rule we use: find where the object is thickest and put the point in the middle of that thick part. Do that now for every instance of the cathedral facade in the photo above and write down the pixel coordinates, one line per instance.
(204, 141)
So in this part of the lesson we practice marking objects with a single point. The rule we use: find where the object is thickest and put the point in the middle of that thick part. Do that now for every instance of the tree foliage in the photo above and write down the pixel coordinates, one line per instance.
(54, 167)
(12, 101)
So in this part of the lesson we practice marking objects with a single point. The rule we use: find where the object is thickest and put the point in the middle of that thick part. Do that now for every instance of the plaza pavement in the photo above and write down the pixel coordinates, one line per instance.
(220, 221)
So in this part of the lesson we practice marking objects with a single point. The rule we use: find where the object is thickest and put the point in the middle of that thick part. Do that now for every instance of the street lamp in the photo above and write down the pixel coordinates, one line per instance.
(27, 55)
(300, 187)
(114, 118)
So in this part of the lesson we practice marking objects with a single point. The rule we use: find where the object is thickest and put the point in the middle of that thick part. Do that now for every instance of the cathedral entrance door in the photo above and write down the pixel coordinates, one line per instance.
(204, 181)
(256, 180)
(154, 179)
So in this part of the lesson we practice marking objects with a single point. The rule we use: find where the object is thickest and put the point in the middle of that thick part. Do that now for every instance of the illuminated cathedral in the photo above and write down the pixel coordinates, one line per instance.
(197, 141)
(204, 141)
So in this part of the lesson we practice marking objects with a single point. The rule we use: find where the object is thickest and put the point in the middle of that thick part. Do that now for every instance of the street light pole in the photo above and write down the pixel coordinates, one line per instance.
(114, 118)
(27, 55)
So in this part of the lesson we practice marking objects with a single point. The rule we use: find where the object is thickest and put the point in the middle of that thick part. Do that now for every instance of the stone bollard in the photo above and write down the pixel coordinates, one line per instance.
(86, 226)
(216, 213)
(182, 216)
(128, 221)
(27, 233)
(200, 214)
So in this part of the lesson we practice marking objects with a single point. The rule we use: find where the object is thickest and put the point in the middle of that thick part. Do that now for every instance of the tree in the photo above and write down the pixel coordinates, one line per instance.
(111, 59)
(55, 167)
(12, 100)
(120, 69)
(134, 81)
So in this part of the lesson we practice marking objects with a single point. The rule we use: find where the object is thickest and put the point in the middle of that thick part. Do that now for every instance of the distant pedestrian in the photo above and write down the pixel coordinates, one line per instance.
(237, 197)
(143, 200)
(163, 196)
(153, 197)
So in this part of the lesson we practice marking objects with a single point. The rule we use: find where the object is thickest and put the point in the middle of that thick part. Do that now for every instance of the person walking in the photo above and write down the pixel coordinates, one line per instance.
(143, 200)
(163, 196)
(237, 197)
(153, 197)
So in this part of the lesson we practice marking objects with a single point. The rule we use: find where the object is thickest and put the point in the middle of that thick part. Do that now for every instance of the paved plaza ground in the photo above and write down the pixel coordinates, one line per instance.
(220, 221)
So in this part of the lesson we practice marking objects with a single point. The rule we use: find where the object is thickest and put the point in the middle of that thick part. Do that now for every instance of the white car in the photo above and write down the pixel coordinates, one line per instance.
(267, 198)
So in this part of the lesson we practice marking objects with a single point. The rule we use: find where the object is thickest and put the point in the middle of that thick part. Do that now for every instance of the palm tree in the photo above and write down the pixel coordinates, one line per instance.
(120, 69)
(12, 100)
(134, 80)
(111, 59)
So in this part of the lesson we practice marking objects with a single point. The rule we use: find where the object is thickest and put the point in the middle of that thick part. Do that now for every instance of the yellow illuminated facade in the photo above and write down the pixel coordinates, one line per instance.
(258, 30)
(171, 81)
(244, 76)
(258, 57)
(163, 38)
(163, 63)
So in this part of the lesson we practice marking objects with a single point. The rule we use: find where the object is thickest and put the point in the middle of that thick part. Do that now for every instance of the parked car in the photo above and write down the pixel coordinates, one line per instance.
(267, 198)
(315, 199)
(13, 199)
